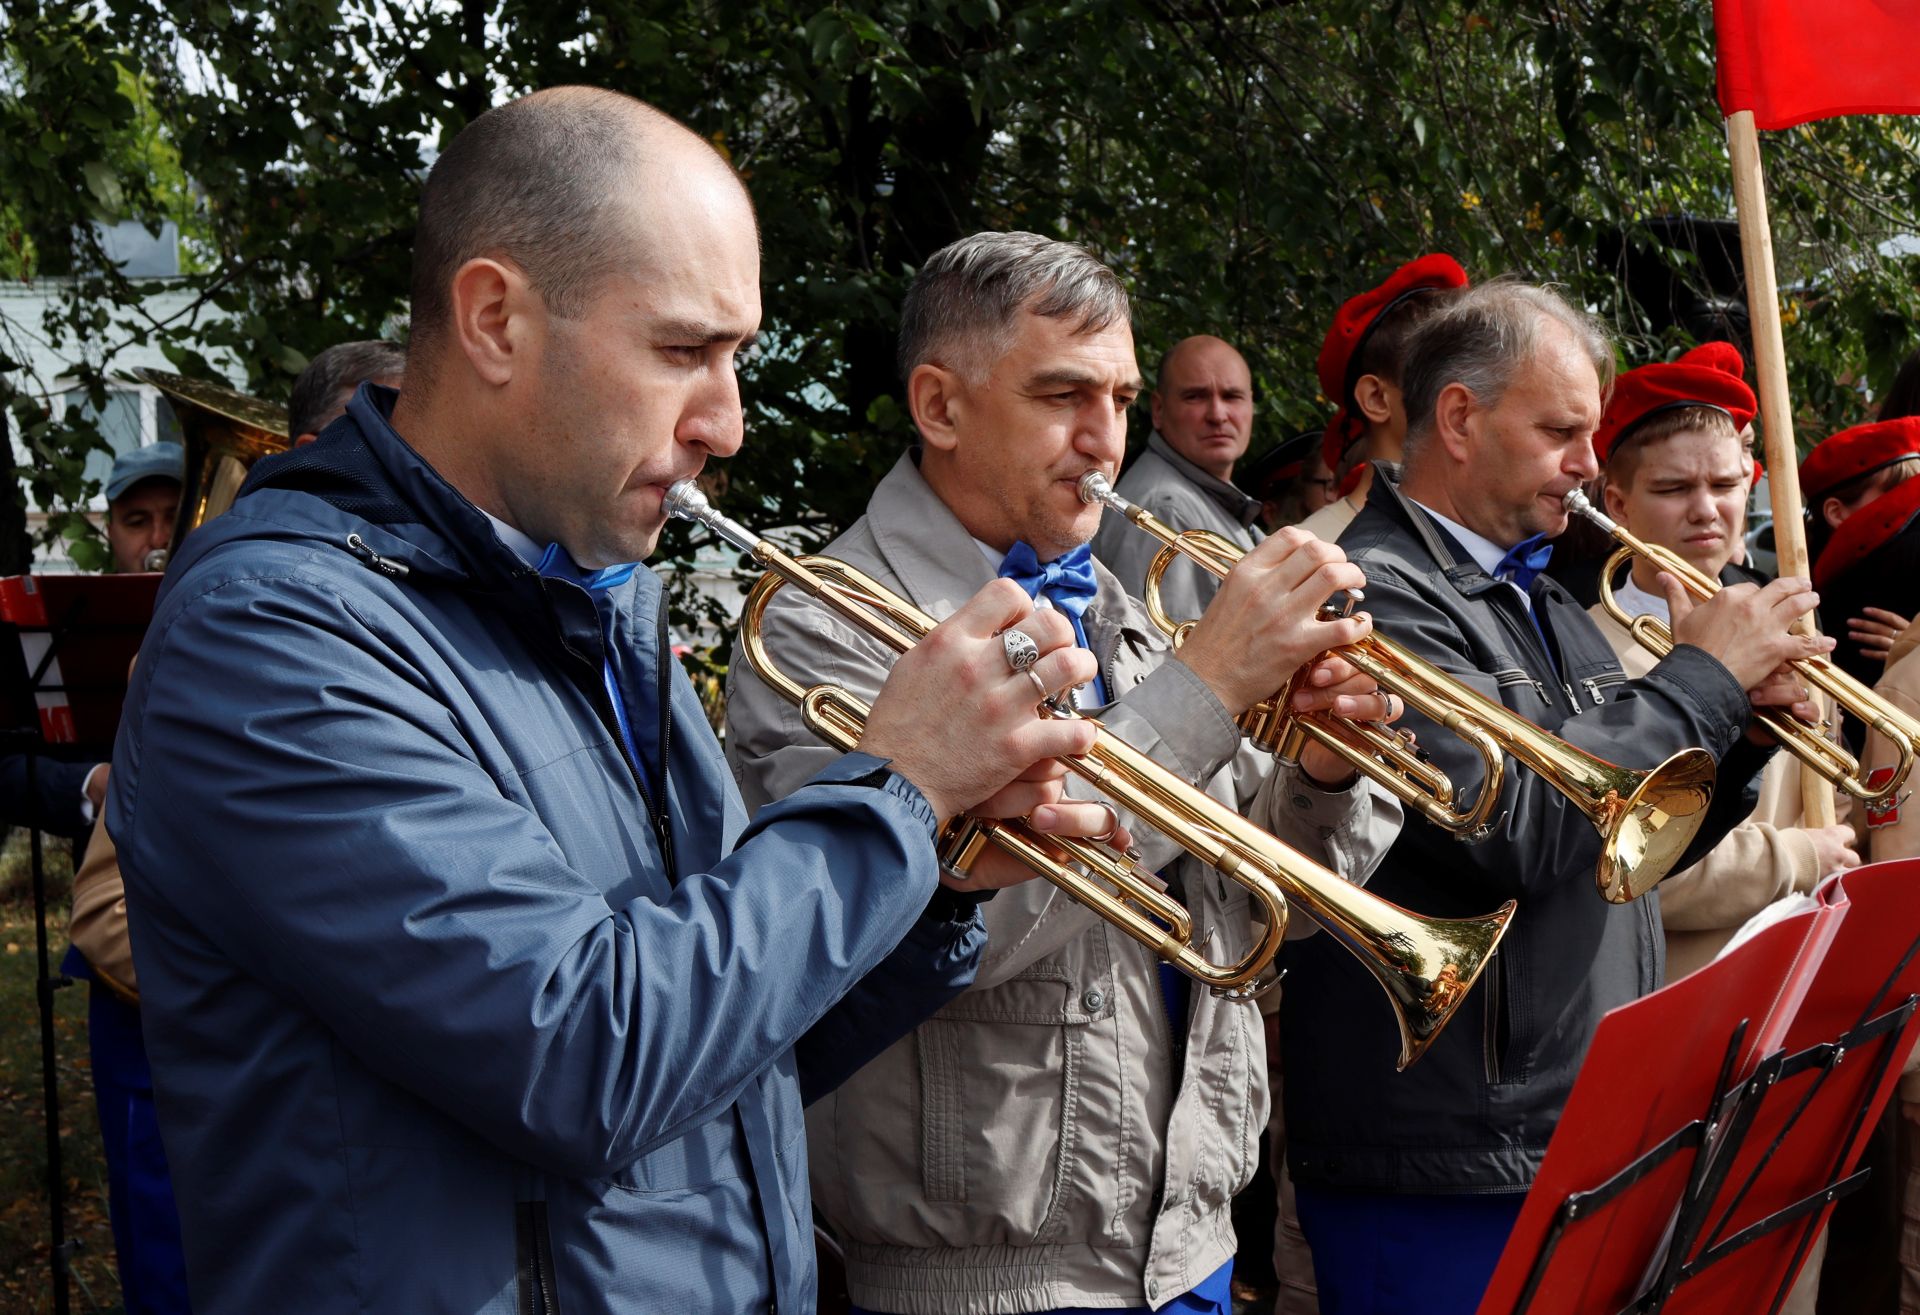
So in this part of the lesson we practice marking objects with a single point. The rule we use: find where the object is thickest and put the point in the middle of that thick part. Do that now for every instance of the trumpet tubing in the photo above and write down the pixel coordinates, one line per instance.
(1425, 965)
(1806, 742)
(1646, 819)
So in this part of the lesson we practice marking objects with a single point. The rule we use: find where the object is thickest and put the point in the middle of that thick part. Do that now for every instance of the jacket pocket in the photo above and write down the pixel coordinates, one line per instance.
(535, 1283)
(999, 1075)
(1504, 1044)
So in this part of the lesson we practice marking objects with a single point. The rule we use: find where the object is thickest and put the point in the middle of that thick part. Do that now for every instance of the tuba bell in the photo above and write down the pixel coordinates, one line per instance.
(224, 432)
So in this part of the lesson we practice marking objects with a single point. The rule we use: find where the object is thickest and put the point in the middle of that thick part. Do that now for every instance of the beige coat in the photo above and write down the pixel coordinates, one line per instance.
(99, 926)
(1331, 521)
(1767, 856)
(1042, 1141)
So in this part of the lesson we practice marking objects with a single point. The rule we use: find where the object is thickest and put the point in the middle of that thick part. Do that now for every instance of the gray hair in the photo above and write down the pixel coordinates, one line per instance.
(339, 369)
(960, 311)
(1481, 338)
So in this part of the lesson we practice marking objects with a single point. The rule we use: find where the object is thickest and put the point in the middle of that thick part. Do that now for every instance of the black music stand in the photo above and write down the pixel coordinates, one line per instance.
(1696, 1177)
(84, 632)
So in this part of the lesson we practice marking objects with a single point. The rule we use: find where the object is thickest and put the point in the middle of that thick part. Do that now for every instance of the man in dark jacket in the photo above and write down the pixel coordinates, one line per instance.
(466, 985)
(1409, 1183)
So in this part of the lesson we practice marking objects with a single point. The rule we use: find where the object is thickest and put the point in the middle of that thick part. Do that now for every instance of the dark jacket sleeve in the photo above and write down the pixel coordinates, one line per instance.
(1539, 837)
(933, 965)
(306, 808)
(53, 801)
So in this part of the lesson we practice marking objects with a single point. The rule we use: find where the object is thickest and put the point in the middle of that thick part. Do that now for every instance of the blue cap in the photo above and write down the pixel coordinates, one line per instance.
(154, 461)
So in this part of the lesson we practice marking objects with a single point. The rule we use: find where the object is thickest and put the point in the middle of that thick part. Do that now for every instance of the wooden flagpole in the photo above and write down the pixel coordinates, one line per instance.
(1776, 410)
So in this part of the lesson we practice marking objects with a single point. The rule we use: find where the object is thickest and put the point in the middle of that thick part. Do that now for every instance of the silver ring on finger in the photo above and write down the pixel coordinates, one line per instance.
(1020, 649)
(1113, 823)
(1039, 685)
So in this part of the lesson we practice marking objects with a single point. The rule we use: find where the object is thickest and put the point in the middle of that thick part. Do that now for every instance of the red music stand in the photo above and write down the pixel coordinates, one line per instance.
(64, 681)
(1715, 1122)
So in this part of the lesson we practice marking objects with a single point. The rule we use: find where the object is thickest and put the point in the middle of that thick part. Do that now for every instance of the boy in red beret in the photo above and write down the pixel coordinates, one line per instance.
(1674, 451)
(1862, 502)
(1359, 371)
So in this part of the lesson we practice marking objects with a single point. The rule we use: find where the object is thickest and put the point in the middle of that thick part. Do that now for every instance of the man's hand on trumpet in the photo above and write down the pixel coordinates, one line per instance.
(957, 718)
(1265, 624)
(1745, 627)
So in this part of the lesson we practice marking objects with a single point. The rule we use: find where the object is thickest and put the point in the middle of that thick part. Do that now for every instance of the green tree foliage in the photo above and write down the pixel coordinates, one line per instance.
(1248, 166)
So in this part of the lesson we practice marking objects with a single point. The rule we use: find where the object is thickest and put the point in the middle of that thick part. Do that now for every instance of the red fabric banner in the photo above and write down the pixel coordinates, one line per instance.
(1793, 60)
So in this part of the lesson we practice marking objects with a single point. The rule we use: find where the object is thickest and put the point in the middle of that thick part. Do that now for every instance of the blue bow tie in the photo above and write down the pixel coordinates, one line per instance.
(557, 563)
(1525, 560)
(1066, 581)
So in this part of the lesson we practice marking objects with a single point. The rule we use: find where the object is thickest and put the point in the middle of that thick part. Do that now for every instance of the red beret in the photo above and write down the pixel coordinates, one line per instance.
(1859, 451)
(1710, 375)
(1349, 332)
(1866, 531)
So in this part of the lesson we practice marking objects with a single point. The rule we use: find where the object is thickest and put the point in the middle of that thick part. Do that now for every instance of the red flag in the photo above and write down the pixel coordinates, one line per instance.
(1793, 60)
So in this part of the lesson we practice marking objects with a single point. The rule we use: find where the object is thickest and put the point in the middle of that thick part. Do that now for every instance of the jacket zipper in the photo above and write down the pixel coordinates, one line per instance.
(538, 1294)
(1595, 684)
(1511, 676)
(1533, 640)
(602, 700)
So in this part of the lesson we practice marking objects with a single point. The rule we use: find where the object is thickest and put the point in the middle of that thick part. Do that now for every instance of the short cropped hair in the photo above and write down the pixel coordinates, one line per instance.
(1623, 461)
(960, 311)
(339, 368)
(537, 181)
(1481, 338)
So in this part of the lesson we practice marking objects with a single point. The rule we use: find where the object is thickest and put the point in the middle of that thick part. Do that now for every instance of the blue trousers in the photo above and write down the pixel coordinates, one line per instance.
(1375, 1254)
(146, 1223)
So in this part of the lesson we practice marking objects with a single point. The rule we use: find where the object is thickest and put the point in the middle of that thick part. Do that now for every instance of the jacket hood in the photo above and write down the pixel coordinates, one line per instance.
(362, 488)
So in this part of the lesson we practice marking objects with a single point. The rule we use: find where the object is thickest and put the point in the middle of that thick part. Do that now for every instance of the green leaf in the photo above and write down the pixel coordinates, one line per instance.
(104, 186)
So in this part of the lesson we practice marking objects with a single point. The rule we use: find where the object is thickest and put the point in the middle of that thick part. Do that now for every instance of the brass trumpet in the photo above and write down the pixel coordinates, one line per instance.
(1425, 965)
(1806, 742)
(1646, 819)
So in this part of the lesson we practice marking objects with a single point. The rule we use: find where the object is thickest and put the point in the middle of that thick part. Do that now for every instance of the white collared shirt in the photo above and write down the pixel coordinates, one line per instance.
(1486, 554)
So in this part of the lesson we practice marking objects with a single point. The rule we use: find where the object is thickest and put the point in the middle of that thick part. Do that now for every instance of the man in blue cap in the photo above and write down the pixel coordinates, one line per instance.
(143, 493)
(143, 496)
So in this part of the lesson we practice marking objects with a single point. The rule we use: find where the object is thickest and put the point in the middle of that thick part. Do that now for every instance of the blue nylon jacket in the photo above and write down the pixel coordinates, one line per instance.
(437, 1020)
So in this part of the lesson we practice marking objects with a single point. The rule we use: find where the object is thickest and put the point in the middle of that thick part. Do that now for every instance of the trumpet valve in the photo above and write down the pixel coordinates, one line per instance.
(960, 843)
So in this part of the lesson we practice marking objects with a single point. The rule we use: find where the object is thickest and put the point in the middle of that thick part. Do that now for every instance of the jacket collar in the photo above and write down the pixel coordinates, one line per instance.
(439, 505)
(1227, 497)
(938, 563)
(1454, 561)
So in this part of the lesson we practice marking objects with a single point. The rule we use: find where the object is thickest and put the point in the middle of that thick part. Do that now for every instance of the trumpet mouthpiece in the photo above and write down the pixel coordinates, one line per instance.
(1095, 487)
(685, 500)
(1578, 502)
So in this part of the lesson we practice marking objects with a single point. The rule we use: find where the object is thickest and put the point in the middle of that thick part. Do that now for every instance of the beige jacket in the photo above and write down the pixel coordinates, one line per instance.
(1767, 856)
(99, 926)
(1042, 1141)
(1331, 521)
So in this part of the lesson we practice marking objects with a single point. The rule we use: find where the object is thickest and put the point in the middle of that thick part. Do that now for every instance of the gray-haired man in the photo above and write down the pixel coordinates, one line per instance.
(1408, 1184)
(1070, 1131)
(321, 393)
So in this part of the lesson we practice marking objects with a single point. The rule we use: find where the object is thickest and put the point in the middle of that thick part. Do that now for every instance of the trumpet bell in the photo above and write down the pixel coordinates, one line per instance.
(1646, 830)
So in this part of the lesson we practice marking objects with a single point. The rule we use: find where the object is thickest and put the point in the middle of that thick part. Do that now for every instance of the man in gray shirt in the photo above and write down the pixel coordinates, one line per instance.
(1202, 419)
